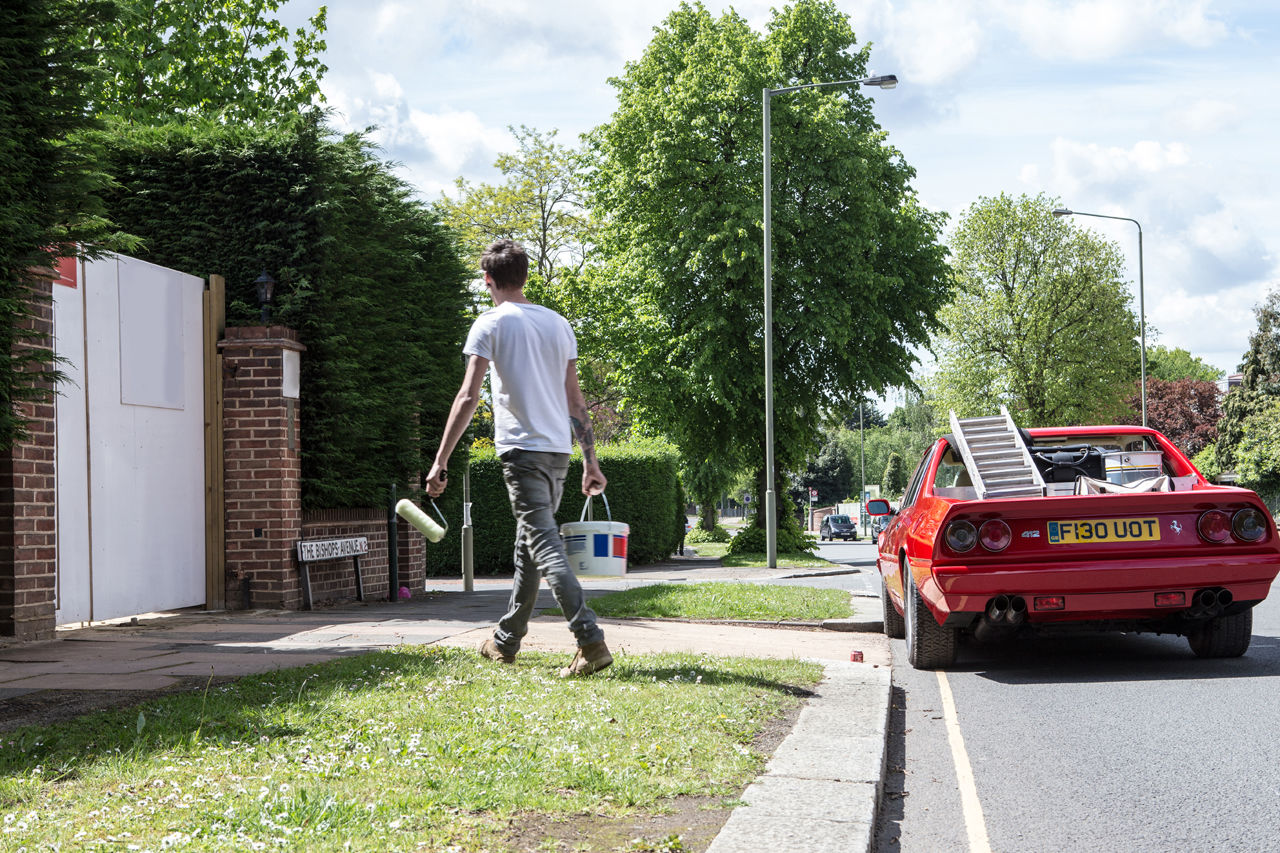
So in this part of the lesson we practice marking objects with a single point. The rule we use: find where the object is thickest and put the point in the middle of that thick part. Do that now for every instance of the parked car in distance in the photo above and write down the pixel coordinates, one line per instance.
(878, 524)
(838, 527)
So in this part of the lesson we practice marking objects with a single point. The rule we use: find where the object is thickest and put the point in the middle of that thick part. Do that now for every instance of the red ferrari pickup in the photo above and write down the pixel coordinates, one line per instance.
(1004, 531)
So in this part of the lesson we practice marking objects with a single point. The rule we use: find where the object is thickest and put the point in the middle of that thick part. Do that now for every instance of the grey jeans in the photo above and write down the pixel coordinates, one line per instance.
(535, 484)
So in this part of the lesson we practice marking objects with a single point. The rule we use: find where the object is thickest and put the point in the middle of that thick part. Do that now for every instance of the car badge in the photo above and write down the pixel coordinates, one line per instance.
(1175, 526)
(1031, 534)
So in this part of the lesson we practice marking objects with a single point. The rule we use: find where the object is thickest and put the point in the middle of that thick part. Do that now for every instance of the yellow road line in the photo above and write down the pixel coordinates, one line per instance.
(974, 823)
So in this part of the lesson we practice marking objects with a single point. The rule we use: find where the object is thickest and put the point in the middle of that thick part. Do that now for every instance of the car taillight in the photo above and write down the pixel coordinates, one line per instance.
(1215, 526)
(1248, 525)
(961, 536)
(995, 535)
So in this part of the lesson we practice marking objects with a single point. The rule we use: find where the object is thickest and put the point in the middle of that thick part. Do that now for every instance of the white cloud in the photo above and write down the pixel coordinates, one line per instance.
(1098, 29)
(1077, 165)
(934, 40)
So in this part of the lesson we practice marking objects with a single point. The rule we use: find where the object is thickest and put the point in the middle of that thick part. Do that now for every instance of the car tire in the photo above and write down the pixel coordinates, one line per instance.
(1223, 636)
(929, 645)
(894, 627)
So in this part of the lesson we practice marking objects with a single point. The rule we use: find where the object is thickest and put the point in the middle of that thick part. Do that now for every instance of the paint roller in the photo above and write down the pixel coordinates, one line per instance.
(411, 513)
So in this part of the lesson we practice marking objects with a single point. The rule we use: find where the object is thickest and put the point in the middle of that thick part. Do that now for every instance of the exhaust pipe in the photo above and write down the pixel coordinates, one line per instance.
(1017, 610)
(998, 608)
(1225, 598)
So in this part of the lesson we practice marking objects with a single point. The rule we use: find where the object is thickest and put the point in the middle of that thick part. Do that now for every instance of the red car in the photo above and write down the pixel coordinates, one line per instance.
(1004, 531)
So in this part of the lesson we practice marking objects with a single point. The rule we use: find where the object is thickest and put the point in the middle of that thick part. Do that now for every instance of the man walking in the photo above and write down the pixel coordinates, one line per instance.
(537, 403)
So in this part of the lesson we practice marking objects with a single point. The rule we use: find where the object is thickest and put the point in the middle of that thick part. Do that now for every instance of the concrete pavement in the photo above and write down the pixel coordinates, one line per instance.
(819, 791)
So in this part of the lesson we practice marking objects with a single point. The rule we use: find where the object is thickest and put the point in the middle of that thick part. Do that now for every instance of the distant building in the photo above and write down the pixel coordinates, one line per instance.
(1232, 381)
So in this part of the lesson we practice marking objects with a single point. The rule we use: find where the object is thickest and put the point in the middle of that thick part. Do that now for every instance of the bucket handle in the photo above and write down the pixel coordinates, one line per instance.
(587, 504)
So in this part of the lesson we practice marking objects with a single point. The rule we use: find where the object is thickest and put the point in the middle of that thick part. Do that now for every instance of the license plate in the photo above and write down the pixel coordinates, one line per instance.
(1104, 530)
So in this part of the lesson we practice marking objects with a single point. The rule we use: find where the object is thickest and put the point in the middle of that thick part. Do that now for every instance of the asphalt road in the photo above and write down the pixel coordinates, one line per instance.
(1107, 742)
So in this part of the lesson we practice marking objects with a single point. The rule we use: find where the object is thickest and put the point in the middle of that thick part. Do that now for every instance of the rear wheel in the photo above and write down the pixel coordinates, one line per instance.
(1223, 636)
(894, 627)
(929, 645)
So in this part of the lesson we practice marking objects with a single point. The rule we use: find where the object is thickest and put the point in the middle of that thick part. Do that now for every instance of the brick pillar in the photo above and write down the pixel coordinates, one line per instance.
(28, 493)
(262, 465)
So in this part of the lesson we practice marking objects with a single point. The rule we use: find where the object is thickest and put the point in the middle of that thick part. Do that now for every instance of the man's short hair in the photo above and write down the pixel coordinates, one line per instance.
(507, 263)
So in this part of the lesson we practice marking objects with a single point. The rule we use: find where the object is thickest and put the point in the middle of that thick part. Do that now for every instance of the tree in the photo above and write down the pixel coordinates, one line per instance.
(1260, 385)
(831, 473)
(894, 481)
(232, 60)
(542, 205)
(1040, 320)
(1186, 410)
(50, 185)
(1174, 364)
(1258, 454)
(858, 274)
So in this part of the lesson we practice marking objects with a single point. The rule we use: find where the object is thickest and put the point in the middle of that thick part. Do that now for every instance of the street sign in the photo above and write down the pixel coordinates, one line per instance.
(813, 496)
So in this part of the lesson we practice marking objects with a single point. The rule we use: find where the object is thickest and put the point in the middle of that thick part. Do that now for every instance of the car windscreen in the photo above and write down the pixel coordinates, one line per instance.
(838, 519)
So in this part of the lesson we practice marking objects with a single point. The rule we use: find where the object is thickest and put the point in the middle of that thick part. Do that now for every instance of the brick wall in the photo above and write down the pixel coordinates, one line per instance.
(28, 491)
(335, 580)
(262, 469)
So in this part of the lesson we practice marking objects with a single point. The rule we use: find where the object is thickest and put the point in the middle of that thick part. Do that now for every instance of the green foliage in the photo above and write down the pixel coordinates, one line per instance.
(1174, 364)
(716, 534)
(1258, 453)
(1261, 368)
(1261, 365)
(1040, 321)
(1206, 462)
(231, 60)
(50, 185)
(644, 492)
(858, 271)
(366, 274)
(831, 473)
(792, 538)
(909, 430)
(542, 205)
(894, 481)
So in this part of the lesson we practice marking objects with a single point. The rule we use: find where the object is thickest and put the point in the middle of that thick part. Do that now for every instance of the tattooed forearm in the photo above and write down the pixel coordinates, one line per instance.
(586, 436)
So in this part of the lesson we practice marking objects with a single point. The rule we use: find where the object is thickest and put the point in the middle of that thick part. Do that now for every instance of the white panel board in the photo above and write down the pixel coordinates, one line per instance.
(72, 455)
(151, 336)
(146, 457)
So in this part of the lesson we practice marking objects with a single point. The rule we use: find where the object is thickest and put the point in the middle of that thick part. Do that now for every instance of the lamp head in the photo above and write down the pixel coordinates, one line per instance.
(1062, 211)
(884, 81)
(265, 286)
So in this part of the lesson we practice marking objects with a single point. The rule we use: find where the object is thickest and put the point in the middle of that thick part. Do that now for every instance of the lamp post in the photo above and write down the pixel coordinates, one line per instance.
(1142, 313)
(886, 81)
(862, 450)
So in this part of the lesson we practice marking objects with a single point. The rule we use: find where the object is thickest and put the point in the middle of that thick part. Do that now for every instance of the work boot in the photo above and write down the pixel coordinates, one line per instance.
(490, 650)
(590, 658)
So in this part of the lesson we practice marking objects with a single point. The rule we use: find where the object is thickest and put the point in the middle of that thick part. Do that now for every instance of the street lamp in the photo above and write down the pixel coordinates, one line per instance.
(1142, 313)
(265, 285)
(885, 81)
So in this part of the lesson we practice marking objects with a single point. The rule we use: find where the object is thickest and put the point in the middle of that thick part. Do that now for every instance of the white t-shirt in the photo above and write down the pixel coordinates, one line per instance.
(529, 348)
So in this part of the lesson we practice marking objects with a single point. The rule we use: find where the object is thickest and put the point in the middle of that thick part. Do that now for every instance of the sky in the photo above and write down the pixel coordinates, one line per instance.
(1162, 111)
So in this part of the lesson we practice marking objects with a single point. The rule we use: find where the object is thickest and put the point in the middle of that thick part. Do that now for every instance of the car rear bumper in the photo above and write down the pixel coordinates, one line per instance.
(1098, 590)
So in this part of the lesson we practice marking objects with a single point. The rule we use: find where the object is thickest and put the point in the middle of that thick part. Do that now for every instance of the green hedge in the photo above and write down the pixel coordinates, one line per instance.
(644, 491)
(365, 273)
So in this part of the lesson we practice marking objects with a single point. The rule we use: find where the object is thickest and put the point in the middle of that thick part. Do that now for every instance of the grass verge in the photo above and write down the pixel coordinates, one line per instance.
(725, 601)
(757, 561)
(417, 748)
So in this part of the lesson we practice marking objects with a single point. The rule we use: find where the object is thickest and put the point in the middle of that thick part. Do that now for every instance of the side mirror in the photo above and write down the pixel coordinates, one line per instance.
(878, 506)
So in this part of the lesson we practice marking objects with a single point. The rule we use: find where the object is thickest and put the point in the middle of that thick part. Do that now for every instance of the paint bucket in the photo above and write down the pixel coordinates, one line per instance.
(596, 549)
